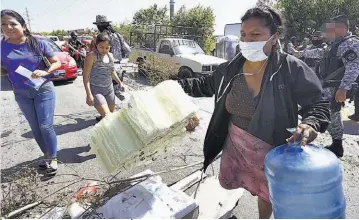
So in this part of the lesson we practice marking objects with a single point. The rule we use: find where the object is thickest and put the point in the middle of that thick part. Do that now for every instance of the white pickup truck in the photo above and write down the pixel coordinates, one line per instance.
(188, 55)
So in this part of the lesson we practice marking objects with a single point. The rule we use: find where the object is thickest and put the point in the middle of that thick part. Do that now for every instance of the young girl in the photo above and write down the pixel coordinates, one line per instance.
(99, 71)
(37, 104)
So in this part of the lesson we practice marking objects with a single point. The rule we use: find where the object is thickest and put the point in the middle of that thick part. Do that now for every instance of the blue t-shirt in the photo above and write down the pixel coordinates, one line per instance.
(14, 55)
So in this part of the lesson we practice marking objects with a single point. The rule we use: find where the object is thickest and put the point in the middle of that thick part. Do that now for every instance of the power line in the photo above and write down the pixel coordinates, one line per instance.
(28, 18)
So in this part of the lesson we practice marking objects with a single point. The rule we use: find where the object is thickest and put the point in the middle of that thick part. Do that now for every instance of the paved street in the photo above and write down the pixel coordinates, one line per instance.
(74, 120)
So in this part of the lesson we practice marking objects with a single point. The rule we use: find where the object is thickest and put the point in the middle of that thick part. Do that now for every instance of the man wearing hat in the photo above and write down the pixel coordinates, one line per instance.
(119, 48)
(338, 70)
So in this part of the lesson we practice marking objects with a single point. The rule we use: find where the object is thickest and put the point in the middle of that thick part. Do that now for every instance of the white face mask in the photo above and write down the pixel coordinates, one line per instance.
(253, 51)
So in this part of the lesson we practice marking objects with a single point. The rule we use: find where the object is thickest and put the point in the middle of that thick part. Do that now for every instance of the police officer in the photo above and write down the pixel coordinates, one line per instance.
(317, 42)
(339, 69)
(290, 46)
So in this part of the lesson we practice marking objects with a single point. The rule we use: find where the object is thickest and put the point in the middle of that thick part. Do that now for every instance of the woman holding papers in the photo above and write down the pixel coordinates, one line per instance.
(30, 62)
(256, 100)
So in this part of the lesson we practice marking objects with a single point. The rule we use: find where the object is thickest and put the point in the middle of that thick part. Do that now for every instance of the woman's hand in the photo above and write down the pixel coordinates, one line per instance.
(90, 100)
(304, 131)
(39, 73)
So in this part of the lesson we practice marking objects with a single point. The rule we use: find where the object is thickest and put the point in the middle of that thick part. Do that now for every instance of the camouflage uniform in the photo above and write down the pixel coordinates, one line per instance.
(348, 51)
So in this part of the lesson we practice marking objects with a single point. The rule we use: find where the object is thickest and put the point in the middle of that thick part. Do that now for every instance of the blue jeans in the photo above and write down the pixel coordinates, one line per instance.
(38, 108)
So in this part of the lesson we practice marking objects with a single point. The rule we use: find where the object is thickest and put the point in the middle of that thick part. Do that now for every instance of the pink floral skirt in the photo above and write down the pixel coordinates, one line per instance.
(242, 163)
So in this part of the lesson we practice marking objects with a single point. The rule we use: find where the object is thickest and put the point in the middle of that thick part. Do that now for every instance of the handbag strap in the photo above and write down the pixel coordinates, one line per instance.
(44, 58)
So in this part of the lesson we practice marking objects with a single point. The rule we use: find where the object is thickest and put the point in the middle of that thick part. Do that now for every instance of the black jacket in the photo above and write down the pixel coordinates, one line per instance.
(287, 83)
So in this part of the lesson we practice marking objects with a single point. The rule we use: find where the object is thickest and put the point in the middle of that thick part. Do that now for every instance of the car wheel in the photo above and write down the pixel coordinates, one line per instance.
(185, 72)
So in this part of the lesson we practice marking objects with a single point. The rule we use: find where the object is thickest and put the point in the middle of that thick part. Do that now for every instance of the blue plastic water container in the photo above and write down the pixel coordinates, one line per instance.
(305, 183)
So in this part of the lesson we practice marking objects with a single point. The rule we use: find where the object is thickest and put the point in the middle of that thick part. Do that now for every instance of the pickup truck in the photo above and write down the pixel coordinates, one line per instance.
(188, 55)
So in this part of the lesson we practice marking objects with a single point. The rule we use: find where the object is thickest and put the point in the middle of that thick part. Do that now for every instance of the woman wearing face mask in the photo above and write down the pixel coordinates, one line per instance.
(256, 99)
(99, 71)
(36, 101)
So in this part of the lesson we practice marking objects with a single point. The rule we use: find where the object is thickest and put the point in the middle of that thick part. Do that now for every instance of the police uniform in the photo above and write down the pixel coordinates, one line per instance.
(341, 52)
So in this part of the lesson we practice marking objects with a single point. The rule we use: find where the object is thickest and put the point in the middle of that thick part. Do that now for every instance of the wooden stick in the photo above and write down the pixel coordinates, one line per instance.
(18, 211)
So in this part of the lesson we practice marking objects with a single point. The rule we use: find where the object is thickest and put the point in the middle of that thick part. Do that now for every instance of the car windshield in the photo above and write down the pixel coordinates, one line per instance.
(183, 46)
(51, 44)
(53, 38)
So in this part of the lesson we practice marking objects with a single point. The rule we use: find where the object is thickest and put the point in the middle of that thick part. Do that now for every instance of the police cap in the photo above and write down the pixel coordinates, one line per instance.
(340, 19)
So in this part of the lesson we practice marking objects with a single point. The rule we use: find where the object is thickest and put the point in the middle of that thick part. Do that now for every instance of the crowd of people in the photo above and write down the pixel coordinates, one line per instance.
(257, 93)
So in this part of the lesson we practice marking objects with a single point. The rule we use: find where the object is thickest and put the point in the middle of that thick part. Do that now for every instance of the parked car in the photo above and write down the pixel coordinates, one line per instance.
(68, 69)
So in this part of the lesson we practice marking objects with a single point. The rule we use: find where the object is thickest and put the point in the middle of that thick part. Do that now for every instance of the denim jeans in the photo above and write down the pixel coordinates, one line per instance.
(38, 108)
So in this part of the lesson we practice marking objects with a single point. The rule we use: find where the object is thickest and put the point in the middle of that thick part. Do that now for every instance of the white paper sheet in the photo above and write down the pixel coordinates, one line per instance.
(27, 73)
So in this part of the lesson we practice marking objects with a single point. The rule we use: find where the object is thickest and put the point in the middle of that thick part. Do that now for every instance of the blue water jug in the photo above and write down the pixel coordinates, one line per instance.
(305, 182)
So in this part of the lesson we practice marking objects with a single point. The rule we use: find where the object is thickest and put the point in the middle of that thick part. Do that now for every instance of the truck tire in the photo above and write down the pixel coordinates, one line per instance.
(185, 72)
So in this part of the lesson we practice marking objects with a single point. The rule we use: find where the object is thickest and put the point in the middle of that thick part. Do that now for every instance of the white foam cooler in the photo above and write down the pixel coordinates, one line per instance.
(151, 122)
(150, 199)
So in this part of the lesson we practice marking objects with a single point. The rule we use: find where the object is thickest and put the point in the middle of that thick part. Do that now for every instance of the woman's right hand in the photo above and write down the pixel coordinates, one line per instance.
(90, 100)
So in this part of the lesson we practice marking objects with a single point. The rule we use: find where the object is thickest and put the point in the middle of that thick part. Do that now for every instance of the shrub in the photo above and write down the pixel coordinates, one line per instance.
(154, 67)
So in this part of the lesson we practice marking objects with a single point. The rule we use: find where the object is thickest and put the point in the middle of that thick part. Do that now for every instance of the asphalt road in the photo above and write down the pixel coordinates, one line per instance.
(73, 123)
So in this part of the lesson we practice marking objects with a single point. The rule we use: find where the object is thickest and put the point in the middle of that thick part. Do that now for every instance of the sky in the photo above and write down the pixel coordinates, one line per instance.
(47, 15)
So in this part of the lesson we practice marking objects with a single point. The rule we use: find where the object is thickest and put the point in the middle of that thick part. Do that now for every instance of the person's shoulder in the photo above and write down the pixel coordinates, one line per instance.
(92, 55)
(353, 41)
(349, 49)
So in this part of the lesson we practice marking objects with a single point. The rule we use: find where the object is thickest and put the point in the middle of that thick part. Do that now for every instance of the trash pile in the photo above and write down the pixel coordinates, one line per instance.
(151, 122)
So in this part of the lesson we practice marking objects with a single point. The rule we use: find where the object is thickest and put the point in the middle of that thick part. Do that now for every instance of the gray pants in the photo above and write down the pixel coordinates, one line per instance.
(336, 126)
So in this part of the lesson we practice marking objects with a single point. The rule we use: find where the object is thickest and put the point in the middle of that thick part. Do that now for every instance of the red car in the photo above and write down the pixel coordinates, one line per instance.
(68, 69)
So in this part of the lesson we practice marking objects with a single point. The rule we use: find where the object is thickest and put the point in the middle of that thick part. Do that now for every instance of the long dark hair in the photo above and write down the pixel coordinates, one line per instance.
(107, 27)
(31, 40)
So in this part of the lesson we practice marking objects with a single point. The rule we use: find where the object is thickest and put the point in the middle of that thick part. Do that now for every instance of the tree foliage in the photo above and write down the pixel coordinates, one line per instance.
(124, 29)
(59, 33)
(151, 16)
(302, 18)
(202, 19)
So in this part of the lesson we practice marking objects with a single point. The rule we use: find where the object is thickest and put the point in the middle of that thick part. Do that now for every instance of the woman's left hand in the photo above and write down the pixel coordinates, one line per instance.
(39, 73)
(304, 131)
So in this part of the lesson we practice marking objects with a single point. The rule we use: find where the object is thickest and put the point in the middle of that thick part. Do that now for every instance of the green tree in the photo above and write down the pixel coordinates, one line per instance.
(151, 16)
(302, 18)
(45, 33)
(124, 29)
(202, 19)
(59, 33)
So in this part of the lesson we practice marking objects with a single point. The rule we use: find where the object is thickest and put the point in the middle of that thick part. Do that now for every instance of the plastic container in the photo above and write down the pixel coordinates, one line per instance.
(305, 183)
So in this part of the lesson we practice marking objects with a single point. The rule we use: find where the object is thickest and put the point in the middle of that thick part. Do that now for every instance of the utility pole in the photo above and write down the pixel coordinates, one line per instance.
(172, 9)
(28, 18)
